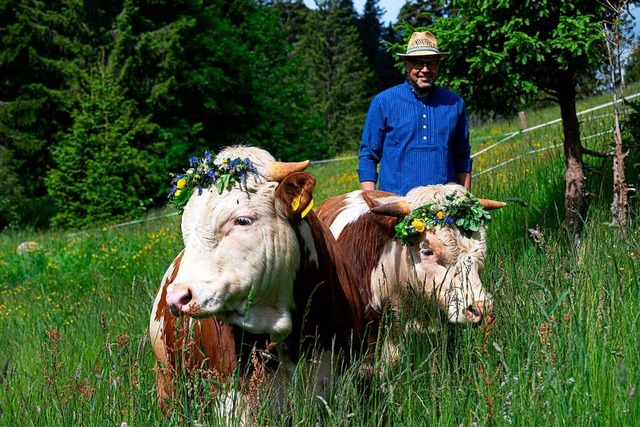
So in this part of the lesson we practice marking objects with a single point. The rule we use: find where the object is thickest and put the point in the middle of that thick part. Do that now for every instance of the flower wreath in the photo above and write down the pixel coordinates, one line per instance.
(206, 172)
(463, 211)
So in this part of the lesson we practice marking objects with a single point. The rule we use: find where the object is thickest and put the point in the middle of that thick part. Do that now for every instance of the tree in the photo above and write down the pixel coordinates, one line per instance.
(43, 44)
(336, 72)
(618, 46)
(11, 191)
(212, 74)
(422, 13)
(99, 176)
(504, 53)
(372, 34)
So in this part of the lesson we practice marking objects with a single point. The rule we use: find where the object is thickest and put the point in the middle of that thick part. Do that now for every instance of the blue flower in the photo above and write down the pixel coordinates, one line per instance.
(208, 157)
(193, 161)
(449, 220)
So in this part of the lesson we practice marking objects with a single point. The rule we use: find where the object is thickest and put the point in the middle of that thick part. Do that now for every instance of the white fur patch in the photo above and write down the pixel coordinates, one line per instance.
(355, 207)
(309, 246)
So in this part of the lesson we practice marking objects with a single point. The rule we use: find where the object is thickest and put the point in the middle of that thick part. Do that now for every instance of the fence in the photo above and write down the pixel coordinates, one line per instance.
(513, 151)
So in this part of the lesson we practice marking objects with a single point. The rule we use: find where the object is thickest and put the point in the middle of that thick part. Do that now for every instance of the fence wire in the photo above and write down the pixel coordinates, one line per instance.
(505, 147)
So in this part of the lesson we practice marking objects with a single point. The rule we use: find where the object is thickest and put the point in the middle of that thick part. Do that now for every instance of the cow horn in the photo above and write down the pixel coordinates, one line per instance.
(398, 209)
(279, 170)
(489, 204)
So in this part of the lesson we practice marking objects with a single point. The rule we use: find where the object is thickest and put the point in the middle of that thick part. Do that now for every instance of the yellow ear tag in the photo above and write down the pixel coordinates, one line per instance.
(306, 211)
(295, 203)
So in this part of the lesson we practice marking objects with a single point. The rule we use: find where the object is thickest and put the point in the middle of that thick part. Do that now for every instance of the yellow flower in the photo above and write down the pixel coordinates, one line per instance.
(418, 225)
(181, 183)
(177, 193)
(440, 215)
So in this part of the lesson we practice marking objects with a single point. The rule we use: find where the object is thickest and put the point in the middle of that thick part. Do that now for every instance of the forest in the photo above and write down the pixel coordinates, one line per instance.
(102, 100)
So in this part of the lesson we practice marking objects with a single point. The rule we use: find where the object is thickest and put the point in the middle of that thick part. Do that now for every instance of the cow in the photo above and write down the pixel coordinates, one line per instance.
(440, 262)
(258, 269)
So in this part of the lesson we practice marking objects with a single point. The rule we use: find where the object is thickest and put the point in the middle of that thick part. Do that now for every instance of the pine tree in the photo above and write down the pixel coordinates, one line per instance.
(98, 175)
(422, 13)
(212, 74)
(43, 46)
(337, 72)
(382, 63)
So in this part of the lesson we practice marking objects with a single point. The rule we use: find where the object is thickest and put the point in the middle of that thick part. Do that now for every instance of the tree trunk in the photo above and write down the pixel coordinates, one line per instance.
(620, 201)
(574, 194)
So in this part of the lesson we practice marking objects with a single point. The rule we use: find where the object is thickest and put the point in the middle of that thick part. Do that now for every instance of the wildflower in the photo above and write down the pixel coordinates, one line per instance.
(463, 211)
(208, 172)
(418, 225)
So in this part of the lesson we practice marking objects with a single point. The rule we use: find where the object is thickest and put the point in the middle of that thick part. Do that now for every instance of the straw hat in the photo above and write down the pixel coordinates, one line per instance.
(423, 44)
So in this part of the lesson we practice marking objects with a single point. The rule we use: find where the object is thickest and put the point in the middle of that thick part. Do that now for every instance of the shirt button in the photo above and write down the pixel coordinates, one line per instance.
(424, 115)
(424, 137)
(424, 126)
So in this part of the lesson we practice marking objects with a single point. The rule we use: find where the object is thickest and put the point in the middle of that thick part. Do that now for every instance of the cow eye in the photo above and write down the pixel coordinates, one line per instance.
(243, 220)
(426, 251)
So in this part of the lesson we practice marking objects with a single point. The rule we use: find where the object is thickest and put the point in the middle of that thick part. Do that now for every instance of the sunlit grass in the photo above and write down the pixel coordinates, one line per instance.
(564, 349)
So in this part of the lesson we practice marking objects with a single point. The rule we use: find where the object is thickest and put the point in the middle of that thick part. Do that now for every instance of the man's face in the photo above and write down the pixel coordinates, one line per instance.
(423, 72)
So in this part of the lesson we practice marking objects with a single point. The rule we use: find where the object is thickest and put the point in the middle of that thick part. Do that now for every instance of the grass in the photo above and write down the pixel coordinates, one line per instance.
(564, 350)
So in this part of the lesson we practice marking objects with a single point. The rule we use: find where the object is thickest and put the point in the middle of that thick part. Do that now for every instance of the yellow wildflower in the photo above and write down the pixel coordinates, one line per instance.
(177, 193)
(181, 183)
(418, 225)
(440, 215)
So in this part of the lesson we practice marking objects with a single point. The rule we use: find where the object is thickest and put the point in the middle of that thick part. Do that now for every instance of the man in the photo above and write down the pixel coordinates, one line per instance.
(417, 132)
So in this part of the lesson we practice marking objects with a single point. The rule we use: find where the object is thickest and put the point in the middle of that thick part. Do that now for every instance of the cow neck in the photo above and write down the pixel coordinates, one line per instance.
(337, 310)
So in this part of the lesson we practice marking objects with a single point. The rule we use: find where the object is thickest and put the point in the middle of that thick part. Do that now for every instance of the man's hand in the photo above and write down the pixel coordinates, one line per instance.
(367, 185)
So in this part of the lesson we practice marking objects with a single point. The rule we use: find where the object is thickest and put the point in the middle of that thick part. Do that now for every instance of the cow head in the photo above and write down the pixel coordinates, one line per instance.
(241, 253)
(445, 260)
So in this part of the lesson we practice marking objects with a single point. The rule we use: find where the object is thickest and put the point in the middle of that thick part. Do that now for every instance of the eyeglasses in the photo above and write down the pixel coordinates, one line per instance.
(419, 65)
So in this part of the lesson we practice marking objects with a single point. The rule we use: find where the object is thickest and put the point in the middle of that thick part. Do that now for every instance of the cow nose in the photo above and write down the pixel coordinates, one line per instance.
(475, 312)
(178, 300)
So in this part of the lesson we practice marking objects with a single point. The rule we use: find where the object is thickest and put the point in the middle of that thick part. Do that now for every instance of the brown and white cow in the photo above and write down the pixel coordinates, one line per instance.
(441, 263)
(258, 265)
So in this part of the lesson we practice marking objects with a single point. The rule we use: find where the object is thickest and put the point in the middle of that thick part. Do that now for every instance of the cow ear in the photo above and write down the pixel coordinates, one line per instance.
(295, 192)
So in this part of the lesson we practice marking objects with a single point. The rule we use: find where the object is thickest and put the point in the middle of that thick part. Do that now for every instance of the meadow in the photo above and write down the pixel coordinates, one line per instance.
(564, 349)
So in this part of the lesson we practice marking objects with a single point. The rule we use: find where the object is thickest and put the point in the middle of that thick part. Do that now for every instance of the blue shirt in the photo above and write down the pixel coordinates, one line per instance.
(416, 141)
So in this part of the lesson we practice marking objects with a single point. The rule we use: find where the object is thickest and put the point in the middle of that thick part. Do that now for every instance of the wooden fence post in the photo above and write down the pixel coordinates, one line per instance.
(524, 126)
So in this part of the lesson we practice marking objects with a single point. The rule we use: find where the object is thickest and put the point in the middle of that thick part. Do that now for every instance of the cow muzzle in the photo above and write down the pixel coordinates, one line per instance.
(180, 301)
(478, 311)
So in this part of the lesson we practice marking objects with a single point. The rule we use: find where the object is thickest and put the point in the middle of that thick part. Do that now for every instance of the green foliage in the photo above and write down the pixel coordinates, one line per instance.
(213, 74)
(503, 54)
(632, 69)
(11, 191)
(461, 210)
(43, 46)
(422, 13)
(332, 65)
(99, 175)
(561, 351)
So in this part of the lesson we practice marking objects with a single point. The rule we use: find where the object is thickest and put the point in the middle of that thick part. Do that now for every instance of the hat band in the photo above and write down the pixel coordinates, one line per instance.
(421, 48)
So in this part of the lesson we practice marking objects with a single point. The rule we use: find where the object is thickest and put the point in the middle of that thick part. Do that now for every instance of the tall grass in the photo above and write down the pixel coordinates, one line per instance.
(563, 351)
